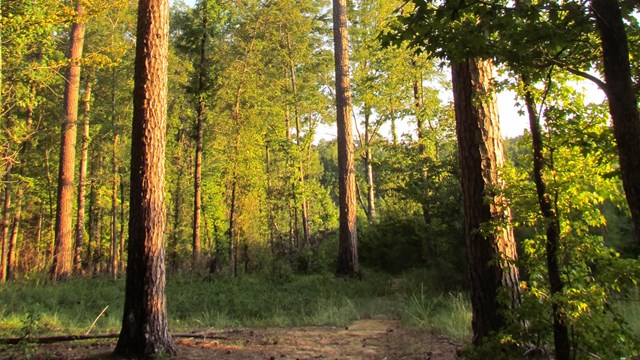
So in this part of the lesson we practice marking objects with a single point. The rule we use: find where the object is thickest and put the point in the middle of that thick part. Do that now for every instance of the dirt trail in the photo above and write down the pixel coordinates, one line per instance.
(364, 339)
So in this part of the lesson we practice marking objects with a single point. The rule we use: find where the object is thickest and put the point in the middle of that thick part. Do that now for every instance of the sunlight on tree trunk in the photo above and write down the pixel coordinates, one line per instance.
(63, 252)
(82, 178)
(348, 238)
(491, 246)
(145, 328)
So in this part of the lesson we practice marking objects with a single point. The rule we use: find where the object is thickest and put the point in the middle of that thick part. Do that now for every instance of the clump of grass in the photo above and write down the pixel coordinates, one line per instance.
(449, 314)
(630, 311)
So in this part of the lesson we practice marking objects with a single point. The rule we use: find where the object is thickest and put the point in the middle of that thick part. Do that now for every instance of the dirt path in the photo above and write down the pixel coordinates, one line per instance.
(364, 339)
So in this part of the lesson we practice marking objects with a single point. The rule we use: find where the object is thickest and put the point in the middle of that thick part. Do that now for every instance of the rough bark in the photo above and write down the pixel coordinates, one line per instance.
(63, 251)
(348, 238)
(552, 223)
(82, 176)
(145, 328)
(491, 247)
(200, 119)
(623, 103)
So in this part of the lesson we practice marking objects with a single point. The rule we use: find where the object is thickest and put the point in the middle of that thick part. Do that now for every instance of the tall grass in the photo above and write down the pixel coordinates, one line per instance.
(449, 314)
(194, 302)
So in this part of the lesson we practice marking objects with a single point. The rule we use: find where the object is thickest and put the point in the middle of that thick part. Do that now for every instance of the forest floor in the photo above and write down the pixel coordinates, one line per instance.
(363, 339)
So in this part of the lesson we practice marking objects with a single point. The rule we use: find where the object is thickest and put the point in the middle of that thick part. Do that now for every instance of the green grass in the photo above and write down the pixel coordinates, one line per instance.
(629, 309)
(38, 308)
(449, 314)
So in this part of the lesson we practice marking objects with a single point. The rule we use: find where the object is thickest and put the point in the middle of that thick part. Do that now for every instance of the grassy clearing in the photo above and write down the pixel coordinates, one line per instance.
(252, 301)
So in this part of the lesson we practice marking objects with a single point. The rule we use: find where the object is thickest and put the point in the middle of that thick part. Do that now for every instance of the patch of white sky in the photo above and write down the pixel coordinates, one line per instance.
(512, 121)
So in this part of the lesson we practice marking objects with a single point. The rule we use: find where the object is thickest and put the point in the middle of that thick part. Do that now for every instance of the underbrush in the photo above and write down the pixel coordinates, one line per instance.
(197, 303)
(447, 313)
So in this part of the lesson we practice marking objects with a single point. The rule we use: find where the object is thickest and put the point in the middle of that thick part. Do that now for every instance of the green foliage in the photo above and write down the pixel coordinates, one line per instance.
(582, 181)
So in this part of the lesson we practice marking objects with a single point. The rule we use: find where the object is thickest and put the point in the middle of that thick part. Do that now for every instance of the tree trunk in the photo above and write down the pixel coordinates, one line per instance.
(82, 176)
(113, 258)
(421, 133)
(296, 112)
(623, 103)
(4, 263)
(13, 240)
(177, 198)
(200, 119)
(145, 330)
(233, 254)
(63, 252)
(491, 252)
(368, 165)
(40, 259)
(348, 238)
(270, 218)
(93, 258)
(552, 223)
(122, 242)
(392, 116)
(113, 224)
(51, 243)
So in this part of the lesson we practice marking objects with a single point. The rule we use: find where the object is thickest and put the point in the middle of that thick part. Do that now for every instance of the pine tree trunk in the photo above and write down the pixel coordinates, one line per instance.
(491, 253)
(200, 119)
(623, 102)
(145, 330)
(63, 253)
(82, 176)
(348, 238)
